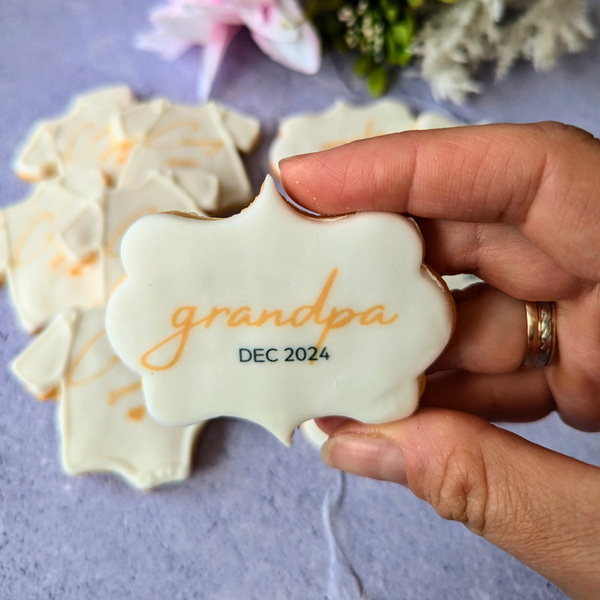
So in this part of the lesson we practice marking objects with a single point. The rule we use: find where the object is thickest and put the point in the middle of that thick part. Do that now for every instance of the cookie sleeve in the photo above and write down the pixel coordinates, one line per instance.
(41, 366)
(244, 130)
(202, 187)
(82, 237)
(119, 96)
(38, 157)
(138, 120)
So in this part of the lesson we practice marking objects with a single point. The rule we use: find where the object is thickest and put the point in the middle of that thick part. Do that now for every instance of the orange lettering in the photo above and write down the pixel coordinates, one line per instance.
(112, 361)
(185, 326)
(20, 260)
(366, 319)
(214, 313)
(244, 318)
(183, 321)
(137, 413)
(331, 322)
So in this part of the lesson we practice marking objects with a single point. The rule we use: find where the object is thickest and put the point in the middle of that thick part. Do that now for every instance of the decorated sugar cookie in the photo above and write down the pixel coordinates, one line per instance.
(104, 425)
(336, 126)
(61, 247)
(434, 120)
(313, 434)
(278, 317)
(85, 137)
(157, 193)
(203, 137)
(460, 282)
(107, 129)
(43, 275)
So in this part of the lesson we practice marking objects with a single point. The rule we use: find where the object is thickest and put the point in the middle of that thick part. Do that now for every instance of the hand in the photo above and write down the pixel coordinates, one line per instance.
(519, 206)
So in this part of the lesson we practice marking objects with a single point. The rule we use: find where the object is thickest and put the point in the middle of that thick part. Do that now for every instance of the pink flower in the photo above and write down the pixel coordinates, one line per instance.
(278, 27)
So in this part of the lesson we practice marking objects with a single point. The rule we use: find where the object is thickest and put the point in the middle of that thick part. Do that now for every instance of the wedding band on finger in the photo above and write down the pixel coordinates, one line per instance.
(541, 333)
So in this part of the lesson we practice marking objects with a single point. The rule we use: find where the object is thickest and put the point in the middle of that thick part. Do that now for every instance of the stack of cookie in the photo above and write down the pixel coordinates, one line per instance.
(107, 162)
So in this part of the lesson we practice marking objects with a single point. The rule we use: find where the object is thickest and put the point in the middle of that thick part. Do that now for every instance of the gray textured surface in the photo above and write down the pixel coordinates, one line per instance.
(248, 522)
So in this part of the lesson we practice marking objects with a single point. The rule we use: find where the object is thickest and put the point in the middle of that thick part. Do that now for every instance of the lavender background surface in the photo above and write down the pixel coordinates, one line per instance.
(249, 522)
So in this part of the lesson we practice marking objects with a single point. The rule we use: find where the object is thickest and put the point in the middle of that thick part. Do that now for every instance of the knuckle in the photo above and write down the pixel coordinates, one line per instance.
(458, 489)
(474, 478)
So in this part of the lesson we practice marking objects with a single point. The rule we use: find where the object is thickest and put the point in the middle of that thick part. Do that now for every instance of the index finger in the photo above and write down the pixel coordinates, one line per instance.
(542, 178)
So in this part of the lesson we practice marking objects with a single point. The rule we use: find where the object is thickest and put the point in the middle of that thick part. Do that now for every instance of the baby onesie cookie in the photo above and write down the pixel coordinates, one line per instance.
(44, 274)
(103, 422)
(338, 125)
(198, 137)
(278, 317)
(61, 246)
(82, 138)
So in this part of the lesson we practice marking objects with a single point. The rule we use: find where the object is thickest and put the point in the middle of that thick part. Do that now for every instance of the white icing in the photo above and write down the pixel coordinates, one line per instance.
(340, 124)
(270, 257)
(126, 205)
(41, 365)
(82, 237)
(434, 120)
(202, 186)
(61, 249)
(191, 136)
(43, 276)
(84, 137)
(313, 434)
(89, 182)
(125, 141)
(133, 124)
(459, 282)
(103, 422)
(244, 130)
(37, 159)
(119, 96)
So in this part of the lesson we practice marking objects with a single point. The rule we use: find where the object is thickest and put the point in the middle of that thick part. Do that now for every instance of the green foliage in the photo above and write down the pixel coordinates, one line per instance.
(377, 81)
(363, 65)
(380, 32)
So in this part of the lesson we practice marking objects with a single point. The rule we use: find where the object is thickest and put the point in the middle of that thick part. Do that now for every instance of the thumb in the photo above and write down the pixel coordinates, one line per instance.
(540, 506)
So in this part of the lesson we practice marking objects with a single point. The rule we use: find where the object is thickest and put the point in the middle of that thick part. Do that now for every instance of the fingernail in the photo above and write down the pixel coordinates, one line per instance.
(293, 157)
(377, 458)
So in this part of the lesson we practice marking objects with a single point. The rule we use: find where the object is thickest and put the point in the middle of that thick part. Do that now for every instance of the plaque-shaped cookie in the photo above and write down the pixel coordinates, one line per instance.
(278, 317)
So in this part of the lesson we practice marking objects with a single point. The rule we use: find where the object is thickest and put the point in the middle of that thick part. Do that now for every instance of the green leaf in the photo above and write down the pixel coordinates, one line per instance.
(418, 3)
(377, 82)
(390, 46)
(401, 33)
(390, 9)
(403, 57)
(363, 66)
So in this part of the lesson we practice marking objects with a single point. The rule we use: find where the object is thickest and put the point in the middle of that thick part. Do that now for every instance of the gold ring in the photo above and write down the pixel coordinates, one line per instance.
(541, 333)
